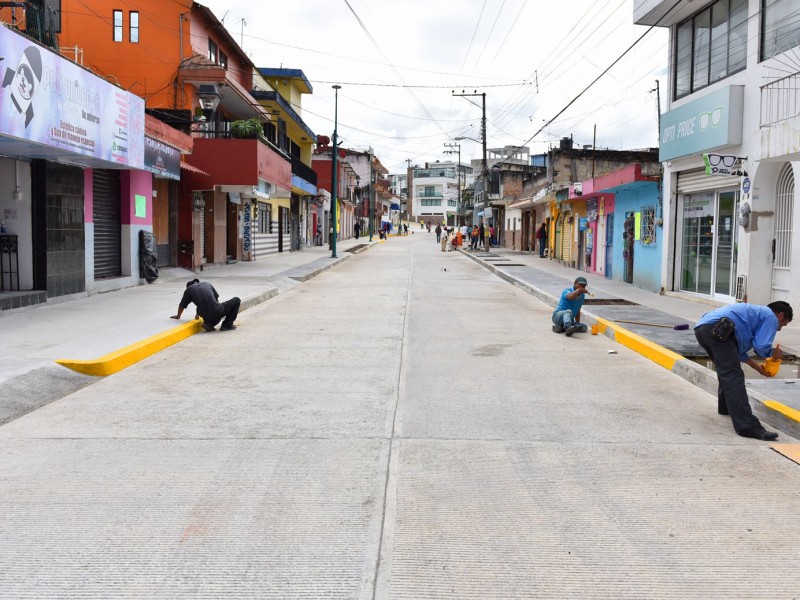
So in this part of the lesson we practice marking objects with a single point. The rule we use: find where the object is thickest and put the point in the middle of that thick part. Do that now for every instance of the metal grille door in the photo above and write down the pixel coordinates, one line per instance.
(107, 229)
(782, 241)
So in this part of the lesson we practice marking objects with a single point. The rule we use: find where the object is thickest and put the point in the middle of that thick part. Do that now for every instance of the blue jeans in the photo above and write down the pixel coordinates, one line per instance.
(565, 320)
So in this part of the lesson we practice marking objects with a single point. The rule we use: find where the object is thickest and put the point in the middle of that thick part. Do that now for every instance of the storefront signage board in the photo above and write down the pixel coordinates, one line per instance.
(49, 100)
(712, 121)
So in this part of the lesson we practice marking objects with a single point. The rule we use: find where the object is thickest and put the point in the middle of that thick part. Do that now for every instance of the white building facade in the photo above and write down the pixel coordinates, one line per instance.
(437, 192)
(730, 147)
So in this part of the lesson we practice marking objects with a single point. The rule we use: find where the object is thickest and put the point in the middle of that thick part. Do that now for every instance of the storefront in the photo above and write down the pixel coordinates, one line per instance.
(65, 147)
(703, 219)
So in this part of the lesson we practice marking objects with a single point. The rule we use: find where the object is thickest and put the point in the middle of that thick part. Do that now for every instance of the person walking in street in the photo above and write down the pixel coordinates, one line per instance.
(487, 239)
(438, 233)
(473, 240)
(444, 240)
(728, 333)
(405, 228)
(206, 299)
(541, 238)
(481, 235)
(492, 239)
(429, 227)
(567, 315)
(357, 229)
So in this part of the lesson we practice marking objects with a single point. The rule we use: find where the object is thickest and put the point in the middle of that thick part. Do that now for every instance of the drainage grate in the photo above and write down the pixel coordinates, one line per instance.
(357, 249)
(609, 302)
(512, 265)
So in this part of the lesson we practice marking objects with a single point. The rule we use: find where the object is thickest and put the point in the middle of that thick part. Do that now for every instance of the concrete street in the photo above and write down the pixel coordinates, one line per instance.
(404, 425)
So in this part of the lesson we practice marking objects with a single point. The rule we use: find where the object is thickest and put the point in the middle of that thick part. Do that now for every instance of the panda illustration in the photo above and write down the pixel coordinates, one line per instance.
(24, 81)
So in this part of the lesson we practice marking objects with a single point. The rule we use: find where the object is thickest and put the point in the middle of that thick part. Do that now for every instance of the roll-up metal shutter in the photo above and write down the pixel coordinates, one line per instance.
(696, 180)
(107, 229)
(566, 239)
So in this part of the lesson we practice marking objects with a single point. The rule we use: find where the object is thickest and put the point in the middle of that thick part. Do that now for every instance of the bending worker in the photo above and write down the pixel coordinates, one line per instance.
(206, 299)
(727, 334)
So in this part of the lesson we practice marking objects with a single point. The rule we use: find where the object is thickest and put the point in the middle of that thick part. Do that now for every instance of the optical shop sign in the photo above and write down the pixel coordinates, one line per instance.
(49, 100)
(710, 122)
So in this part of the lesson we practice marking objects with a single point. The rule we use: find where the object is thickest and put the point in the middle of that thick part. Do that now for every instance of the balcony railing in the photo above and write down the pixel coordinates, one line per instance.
(33, 20)
(303, 171)
(430, 195)
(205, 132)
(780, 100)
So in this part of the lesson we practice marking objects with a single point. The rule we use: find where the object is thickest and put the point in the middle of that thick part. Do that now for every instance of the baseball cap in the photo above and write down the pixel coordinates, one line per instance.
(582, 281)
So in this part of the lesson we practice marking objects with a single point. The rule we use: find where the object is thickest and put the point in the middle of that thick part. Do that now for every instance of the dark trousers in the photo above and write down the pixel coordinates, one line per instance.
(438, 237)
(731, 394)
(230, 310)
(542, 245)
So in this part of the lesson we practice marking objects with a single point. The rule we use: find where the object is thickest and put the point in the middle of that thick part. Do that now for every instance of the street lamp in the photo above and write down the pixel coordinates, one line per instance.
(334, 190)
(369, 198)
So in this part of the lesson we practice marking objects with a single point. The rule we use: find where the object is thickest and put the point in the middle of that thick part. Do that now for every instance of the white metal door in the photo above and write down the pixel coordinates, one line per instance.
(782, 238)
(600, 245)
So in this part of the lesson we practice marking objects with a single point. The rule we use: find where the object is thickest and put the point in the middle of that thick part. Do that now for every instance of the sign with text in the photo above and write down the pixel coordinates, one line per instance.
(161, 159)
(713, 121)
(722, 164)
(49, 100)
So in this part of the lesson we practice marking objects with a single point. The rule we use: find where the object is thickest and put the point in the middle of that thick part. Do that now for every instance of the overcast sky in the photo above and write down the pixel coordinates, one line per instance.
(398, 62)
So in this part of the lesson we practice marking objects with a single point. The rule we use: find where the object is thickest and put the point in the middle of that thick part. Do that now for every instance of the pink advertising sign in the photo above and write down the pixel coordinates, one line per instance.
(47, 99)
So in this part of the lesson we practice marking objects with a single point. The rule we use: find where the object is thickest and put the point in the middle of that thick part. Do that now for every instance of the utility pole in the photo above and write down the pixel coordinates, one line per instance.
(458, 174)
(484, 165)
(335, 169)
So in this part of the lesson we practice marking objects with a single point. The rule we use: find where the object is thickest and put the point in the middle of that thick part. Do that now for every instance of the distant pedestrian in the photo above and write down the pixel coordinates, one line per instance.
(438, 233)
(727, 334)
(206, 299)
(487, 240)
(429, 227)
(481, 234)
(444, 240)
(464, 232)
(357, 229)
(541, 238)
(473, 238)
(405, 228)
(492, 239)
(567, 315)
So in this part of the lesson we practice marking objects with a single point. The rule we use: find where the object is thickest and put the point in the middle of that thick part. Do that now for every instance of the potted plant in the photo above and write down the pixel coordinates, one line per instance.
(247, 129)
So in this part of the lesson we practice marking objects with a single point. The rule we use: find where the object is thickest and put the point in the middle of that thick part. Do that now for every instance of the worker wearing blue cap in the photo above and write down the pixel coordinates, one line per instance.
(567, 315)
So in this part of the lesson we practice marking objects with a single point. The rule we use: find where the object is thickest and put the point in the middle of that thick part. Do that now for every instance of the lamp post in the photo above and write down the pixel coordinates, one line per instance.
(334, 168)
(369, 198)
(458, 173)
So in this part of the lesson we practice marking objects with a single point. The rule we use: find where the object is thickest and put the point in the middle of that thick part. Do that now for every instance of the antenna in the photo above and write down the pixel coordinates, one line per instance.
(244, 22)
(222, 20)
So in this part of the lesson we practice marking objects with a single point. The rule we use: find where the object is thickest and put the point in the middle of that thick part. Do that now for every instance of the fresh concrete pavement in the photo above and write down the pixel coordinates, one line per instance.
(404, 425)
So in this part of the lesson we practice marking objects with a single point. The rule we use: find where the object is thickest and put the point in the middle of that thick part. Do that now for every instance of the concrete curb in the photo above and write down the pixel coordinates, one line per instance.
(125, 357)
(775, 413)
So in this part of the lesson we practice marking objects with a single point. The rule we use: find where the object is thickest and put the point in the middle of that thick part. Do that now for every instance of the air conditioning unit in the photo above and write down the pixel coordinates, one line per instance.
(741, 287)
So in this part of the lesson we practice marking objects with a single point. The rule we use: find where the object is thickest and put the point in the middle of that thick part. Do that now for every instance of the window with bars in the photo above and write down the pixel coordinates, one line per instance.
(648, 231)
(265, 218)
(784, 201)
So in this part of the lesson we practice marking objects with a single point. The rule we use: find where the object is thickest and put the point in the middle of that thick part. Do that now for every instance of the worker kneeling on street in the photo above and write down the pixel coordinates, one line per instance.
(727, 334)
(567, 315)
(206, 299)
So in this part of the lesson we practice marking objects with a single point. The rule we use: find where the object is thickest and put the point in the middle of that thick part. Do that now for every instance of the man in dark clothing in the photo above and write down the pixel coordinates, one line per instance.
(206, 299)
(357, 229)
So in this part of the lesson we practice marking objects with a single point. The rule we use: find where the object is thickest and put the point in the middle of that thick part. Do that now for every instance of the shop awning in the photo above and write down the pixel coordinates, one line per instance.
(187, 167)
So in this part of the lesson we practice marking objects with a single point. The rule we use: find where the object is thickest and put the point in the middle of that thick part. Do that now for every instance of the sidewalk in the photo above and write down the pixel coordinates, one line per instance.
(85, 327)
(776, 401)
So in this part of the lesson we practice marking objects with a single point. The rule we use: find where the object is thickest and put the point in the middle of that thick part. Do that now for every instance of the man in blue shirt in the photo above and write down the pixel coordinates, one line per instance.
(754, 328)
(567, 315)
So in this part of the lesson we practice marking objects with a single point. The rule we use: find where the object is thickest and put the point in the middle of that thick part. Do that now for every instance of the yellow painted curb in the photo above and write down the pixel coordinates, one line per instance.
(125, 357)
(786, 411)
(658, 354)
